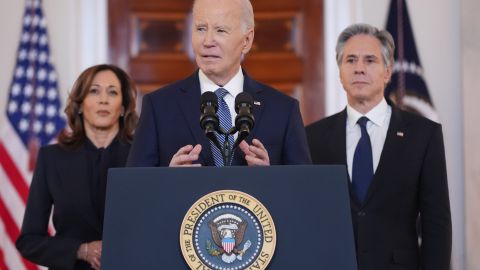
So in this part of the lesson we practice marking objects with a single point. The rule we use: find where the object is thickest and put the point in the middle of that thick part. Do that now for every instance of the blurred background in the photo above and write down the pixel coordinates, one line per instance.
(294, 50)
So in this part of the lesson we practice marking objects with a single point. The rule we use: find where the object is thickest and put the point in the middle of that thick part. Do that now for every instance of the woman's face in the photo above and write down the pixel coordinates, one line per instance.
(102, 105)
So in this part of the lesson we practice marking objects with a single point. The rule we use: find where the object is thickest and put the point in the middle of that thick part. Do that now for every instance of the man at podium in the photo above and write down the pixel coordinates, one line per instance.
(169, 133)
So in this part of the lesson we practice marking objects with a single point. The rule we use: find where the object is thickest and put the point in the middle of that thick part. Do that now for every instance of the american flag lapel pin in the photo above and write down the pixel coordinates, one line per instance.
(400, 134)
(257, 103)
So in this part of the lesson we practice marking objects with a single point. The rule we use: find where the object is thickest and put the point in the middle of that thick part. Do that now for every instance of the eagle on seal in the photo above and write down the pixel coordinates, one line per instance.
(228, 231)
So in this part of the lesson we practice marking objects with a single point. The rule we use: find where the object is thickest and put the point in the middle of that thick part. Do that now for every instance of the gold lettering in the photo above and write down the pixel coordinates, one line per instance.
(255, 265)
(264, 255)
(260, 261)
(201, 266)
(192, 219)
(260, 213)
(216, 199)
(196, 212)
(188, 246)
(244, 200)
(203, 205)
(187, 230)
(268, 239)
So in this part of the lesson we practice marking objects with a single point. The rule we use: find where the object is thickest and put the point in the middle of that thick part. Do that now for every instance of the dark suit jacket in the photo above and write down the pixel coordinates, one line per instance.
(60, 179)
(410, 179)
(170, 120)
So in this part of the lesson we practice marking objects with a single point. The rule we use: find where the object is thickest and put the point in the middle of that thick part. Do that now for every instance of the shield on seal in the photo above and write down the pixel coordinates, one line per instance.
(228, 244)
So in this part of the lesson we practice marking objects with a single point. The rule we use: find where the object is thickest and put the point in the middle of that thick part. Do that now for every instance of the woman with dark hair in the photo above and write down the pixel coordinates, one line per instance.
(71, 176)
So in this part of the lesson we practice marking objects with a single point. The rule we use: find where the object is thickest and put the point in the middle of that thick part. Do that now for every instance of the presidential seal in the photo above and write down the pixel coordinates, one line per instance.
(227, 230)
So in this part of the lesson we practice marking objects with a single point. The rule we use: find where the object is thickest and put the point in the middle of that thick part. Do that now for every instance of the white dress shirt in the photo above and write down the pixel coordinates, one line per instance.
(234, 87)
(377, 129)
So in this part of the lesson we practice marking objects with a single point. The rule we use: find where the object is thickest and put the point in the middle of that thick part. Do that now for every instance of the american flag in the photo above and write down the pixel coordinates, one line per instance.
(33, 118)
(407, 87)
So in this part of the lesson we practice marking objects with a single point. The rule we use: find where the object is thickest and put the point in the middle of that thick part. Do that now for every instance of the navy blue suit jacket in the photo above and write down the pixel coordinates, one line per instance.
(170, 120)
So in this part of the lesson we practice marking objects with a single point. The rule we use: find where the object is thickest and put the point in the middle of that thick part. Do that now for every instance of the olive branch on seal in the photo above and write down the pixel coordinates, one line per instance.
(211, 249)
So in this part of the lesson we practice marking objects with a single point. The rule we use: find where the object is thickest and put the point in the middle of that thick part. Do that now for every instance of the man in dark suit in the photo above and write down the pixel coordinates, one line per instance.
(395, 160)
(169, 133)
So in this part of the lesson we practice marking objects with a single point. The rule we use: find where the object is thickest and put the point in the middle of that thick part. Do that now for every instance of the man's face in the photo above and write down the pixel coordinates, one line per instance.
(219, 38)
(362, 71)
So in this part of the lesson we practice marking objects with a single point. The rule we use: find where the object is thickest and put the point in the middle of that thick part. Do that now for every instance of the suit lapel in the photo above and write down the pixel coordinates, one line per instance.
(259, 102)
(337, 139)
(189, 102)
(75, 184)
(394, 143)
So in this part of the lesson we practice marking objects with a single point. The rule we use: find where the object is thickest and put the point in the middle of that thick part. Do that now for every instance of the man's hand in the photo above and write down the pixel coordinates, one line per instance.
(255, 154)
(185, 156)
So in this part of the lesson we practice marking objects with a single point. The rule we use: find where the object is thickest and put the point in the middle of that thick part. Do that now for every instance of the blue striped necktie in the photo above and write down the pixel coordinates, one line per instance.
(226, 123)
(362, 167)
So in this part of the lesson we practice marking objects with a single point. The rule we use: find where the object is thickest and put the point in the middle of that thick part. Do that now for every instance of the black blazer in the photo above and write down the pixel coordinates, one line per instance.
(410, 179)
(60, 180)
(170, 120)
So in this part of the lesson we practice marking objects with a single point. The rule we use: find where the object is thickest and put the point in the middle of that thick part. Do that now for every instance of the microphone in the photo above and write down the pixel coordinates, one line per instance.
(244, 121)
(208, 118)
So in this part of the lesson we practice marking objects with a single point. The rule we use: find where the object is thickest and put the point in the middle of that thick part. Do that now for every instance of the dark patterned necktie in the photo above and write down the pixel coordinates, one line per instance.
(362, 167)
(226, 123)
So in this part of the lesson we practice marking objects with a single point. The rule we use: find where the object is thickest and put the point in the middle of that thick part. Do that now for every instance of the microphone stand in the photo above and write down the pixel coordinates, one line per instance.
(225, 150)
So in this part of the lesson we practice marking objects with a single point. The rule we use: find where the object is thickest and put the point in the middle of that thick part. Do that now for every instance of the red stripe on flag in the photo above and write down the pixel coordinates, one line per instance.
(12, 231)
(13, 173)
(3, 266)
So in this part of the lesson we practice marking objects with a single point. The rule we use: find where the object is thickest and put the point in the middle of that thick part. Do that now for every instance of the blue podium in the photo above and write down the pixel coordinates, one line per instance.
(148, 210)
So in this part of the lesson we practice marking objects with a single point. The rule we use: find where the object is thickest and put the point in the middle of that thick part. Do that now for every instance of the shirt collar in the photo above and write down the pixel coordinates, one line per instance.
(234, 86)
(90, 146)
(376, 115)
